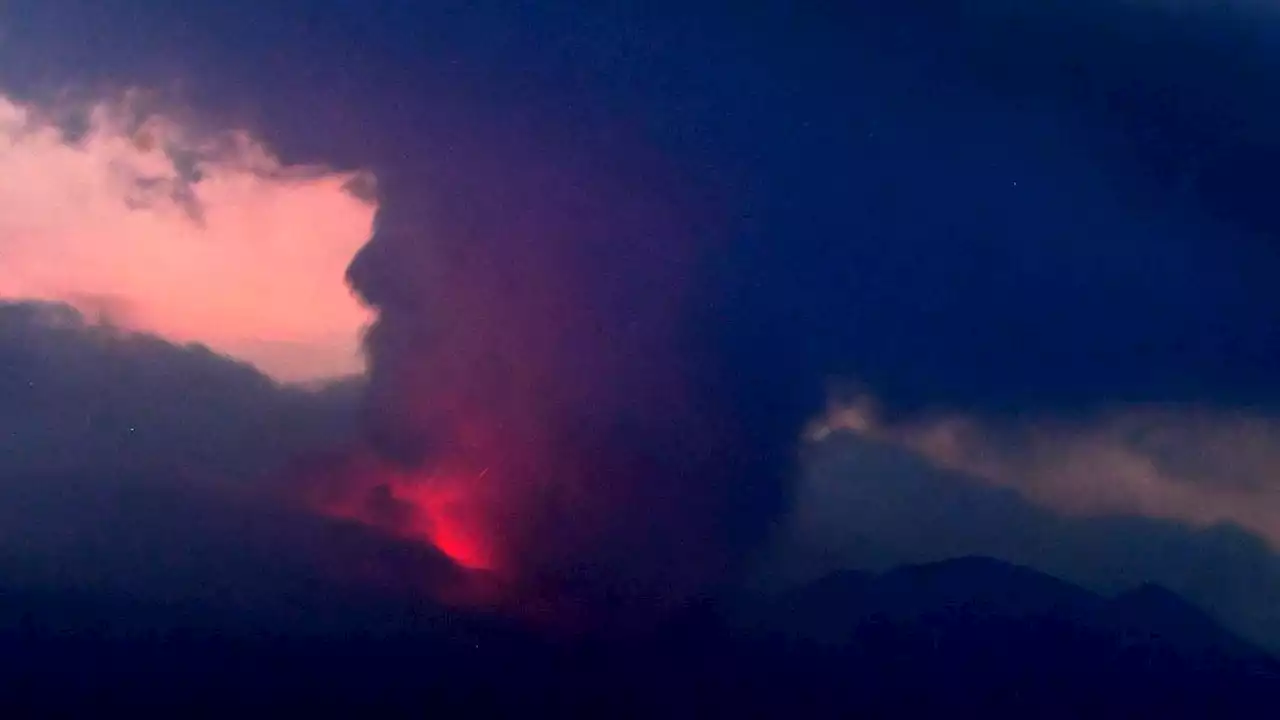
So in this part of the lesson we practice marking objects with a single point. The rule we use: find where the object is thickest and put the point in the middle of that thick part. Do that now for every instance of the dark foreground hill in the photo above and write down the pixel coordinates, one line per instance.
(974, 637)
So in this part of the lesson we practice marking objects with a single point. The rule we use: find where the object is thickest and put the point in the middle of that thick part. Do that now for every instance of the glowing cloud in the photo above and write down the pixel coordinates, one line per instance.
(140, 222)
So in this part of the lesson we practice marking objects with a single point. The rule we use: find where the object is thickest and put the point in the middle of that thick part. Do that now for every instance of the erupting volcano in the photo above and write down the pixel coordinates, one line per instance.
(448, 521)
(454, 511)
(541, 404)
(438, 509)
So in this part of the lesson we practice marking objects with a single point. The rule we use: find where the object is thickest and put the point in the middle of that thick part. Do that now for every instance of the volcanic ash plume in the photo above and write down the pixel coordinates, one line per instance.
(537, 404)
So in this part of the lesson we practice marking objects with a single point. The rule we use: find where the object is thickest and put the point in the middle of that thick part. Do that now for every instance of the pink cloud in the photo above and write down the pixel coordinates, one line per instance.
(198, 238)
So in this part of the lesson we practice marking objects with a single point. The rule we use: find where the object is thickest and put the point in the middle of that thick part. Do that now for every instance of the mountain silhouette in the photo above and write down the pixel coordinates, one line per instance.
(973, 636)
(976, 632)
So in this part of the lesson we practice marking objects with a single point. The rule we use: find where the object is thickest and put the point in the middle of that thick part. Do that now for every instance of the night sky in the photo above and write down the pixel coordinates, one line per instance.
(745, 291)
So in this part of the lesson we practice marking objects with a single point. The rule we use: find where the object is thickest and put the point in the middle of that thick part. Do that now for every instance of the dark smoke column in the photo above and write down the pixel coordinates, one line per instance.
(540, 382)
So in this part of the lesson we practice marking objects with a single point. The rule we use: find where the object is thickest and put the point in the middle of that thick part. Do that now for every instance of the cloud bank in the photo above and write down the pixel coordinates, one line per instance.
(78, 397)
(136, 469)
(140, 220)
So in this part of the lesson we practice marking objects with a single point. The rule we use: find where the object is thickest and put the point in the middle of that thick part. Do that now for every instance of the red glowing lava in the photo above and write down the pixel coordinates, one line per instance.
(444, 510)
(444, 517)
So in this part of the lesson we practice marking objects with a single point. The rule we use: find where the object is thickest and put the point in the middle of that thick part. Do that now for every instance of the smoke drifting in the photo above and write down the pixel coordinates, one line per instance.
(1201, 466)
